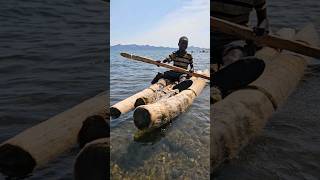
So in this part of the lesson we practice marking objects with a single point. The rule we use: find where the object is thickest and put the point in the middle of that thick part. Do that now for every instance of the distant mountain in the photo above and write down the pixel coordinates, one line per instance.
(148, 47)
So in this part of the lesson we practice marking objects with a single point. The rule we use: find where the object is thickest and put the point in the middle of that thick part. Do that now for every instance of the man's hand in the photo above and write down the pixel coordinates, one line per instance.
(262, 29)
(190, 75)
(158, 62)
(191, 68)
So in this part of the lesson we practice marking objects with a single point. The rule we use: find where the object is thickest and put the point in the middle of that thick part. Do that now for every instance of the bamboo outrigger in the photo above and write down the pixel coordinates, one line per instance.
(240, 117)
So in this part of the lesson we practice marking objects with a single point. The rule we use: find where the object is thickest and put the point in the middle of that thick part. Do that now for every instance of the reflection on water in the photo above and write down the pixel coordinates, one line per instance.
(181, 149)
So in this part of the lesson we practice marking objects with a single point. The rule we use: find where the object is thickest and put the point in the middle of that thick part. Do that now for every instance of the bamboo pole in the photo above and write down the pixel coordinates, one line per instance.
(160, 113)
(39, 144)
(298, 46)
(241, 116)
(128, 104)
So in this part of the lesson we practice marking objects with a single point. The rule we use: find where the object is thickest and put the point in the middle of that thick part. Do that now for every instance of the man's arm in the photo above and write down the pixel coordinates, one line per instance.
(261, 11)
(191, 67)
(191, 64)
(169, 58)
(261, 14)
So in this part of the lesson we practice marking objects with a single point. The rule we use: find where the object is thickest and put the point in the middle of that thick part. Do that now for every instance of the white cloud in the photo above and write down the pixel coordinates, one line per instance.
(191, 20)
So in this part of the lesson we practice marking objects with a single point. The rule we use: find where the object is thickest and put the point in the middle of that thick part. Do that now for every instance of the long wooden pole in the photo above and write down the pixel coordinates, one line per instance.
(151, 61)
(269, 40)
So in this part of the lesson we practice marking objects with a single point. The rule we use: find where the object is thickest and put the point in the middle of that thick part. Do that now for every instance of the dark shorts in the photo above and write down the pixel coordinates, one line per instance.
(218, 52)
(216, 55)
(175, 76)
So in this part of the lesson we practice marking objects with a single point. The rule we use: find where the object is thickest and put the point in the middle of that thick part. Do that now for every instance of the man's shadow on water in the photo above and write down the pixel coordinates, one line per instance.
(142, 148)
(147, 146)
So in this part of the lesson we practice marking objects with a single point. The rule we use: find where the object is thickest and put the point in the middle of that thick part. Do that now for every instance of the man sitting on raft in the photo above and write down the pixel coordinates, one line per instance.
(227, 49)
(182, 59)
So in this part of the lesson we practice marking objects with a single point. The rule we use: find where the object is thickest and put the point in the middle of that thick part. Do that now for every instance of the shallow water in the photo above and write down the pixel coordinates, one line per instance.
(289, 147)
(52, 57)
(181, 149)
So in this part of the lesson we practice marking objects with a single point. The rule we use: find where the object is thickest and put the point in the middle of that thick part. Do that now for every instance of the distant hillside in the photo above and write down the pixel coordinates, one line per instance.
(148, 47)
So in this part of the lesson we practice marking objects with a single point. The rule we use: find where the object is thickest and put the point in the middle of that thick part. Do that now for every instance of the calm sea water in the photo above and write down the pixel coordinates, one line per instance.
(289, 147)
(182, 150)
(52, 57)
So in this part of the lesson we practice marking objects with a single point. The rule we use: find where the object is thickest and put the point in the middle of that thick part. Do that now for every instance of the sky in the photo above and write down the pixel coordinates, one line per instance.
(160, 22)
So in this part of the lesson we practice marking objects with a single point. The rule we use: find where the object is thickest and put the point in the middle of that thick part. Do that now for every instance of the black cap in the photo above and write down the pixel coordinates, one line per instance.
(183, 38)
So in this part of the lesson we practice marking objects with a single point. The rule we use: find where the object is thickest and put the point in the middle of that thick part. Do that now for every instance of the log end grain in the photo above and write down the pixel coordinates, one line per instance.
(94, 127)
(115, 112)
(141, 118)
(93, 162)
(140, 102)
(15, 161)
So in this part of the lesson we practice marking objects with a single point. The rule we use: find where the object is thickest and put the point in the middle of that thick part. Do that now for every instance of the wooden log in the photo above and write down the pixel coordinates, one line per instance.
(166, 92)
(153, 97)
(297, 45)
(93, 161)
(160, 113)
(127, 105)
(241, 116)
(39, 144)
(94, 127)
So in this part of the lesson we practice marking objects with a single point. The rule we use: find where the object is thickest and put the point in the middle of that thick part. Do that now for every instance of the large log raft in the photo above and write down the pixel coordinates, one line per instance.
(241, 116)
(41, 143)
(164, 93)
(163, 111)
